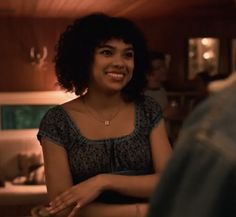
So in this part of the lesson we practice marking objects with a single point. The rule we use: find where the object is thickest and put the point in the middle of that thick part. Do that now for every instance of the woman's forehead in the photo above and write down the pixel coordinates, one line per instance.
(115, 42)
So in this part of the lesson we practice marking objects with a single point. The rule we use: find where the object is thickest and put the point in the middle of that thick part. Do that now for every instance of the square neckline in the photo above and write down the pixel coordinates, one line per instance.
(118, 138)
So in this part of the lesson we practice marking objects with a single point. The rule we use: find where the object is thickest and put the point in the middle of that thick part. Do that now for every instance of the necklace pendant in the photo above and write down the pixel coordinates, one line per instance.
(107, 123)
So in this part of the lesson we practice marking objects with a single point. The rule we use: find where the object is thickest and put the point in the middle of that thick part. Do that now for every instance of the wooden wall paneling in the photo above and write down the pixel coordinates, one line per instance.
(17, 36)
(171, 35)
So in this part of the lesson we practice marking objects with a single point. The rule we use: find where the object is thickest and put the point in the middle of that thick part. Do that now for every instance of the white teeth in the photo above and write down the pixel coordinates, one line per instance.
(115, 75)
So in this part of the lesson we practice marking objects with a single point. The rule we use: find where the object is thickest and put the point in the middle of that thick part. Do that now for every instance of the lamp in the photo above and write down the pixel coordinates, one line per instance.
(37, 57)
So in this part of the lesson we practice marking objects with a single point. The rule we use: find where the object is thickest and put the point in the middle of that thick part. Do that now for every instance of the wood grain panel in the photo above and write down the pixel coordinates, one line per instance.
(137, 9)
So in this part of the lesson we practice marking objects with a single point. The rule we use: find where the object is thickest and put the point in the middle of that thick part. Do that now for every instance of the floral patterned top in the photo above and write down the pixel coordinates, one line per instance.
(130, 154)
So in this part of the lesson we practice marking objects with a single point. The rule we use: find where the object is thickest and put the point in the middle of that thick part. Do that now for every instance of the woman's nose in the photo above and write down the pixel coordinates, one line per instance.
(118, 61)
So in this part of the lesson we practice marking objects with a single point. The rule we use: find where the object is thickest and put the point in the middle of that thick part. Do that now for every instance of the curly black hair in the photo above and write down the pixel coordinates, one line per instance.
(76, 46)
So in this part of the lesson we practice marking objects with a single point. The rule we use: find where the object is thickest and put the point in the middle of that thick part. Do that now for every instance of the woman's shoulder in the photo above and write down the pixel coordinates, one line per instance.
(60, 113)
(54, 111)
(54, 116)
(150, 111)
(150, 103)
(55, 125)
(73, 105)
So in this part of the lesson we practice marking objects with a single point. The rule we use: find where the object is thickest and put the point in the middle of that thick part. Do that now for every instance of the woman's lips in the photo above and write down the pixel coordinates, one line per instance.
(116, 75)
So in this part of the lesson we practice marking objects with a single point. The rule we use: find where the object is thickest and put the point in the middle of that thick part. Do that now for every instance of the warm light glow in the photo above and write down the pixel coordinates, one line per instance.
(203, 55)
(208, 55)
(207, 41)
(35, 97)
(38, 57)
(191, 54)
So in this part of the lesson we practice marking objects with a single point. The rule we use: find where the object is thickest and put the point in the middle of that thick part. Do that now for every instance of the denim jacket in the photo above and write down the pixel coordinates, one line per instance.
(200, 178)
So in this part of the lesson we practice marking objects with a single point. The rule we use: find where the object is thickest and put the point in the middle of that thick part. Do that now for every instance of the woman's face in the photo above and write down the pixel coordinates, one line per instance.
(112, 67)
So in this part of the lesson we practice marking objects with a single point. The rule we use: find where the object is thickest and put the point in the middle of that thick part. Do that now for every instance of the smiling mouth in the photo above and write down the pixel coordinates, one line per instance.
(116, 75)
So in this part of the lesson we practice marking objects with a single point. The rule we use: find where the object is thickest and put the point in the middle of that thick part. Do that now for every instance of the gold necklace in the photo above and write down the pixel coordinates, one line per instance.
(106, 122)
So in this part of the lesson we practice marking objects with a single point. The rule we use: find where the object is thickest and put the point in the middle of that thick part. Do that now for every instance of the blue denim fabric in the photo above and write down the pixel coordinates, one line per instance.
(200, 178)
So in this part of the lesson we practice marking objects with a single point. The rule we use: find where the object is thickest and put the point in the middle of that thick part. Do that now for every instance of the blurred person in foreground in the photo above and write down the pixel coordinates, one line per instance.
(200, 178)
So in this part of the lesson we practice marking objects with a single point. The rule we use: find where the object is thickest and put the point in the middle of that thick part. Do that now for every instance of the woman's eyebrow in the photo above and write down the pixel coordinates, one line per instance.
(129, 48)
(106, 46)
(111, 47)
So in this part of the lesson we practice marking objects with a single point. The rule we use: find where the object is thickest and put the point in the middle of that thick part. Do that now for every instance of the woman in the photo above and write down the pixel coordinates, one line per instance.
(103, 151)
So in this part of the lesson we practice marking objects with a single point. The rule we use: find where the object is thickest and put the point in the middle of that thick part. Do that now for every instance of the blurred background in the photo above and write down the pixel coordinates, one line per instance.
(29, 29)
(197, 36)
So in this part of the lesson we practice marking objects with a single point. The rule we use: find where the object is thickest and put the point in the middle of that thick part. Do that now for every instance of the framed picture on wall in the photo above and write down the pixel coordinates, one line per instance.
(22, 116)
(24, 110)
(203, 57)
(233, 55)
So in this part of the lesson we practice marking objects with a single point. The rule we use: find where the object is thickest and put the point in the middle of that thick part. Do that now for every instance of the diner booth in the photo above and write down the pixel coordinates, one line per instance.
(22, 171)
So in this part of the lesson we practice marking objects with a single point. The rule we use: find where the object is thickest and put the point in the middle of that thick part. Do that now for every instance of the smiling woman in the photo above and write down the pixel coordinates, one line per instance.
(113, 65)
(111, 164)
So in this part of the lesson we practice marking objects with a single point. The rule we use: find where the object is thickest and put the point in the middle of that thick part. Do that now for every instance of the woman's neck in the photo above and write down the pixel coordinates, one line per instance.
(102, 101)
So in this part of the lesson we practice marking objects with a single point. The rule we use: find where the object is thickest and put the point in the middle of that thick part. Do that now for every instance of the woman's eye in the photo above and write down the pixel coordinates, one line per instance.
(106, 52)
(129, 54)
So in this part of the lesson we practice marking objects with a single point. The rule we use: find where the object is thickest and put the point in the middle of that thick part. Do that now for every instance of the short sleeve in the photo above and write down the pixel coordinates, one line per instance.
(54, 126)
(153, 111)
